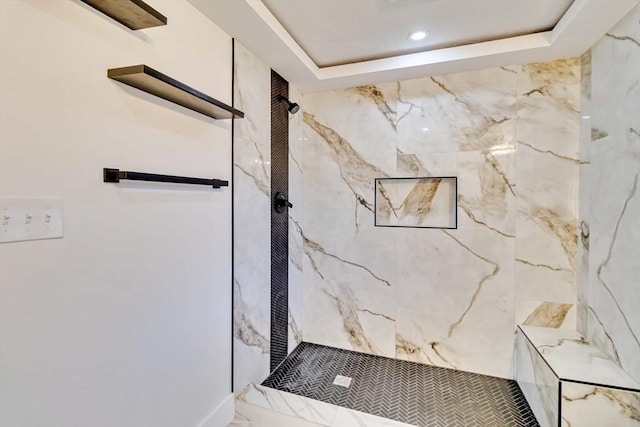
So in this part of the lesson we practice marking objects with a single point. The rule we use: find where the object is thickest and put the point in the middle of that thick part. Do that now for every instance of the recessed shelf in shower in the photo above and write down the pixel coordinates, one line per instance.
(423, 202)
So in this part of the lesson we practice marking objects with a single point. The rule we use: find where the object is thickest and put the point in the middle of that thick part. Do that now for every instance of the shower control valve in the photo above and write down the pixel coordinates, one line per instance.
(280, 202)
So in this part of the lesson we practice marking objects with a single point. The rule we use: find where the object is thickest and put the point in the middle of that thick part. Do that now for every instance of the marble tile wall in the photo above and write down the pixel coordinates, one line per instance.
(573, 358)
(610, 298)
(252, 220)
(538, 382)
(445, 297)
(547, 175)
(582, 259)
(296, 254)
(590, 406)
(569, 382)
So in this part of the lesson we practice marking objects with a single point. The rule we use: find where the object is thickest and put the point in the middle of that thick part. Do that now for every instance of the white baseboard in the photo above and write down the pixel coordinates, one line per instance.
(222, 415)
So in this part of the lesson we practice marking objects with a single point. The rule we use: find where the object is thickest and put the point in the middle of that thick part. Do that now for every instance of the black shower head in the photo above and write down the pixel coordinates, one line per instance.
(291, 106)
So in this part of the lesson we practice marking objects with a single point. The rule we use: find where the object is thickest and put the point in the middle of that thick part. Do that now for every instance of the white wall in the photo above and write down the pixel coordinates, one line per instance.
(126, 320)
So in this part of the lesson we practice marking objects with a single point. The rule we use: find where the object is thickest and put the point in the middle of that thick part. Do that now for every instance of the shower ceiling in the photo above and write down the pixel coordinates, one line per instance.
(327, 44)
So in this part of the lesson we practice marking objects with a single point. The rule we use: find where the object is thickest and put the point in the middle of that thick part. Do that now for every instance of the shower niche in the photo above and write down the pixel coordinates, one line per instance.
(423, 202)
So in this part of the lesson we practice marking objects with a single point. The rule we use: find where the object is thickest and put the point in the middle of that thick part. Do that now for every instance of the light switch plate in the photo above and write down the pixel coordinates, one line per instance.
(26, 218)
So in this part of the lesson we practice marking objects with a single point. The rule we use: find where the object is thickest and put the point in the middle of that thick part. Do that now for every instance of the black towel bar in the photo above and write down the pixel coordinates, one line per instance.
(115, 175)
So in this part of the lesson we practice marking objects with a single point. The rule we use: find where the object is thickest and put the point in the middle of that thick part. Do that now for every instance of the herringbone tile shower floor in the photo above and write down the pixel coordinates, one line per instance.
(409, 392)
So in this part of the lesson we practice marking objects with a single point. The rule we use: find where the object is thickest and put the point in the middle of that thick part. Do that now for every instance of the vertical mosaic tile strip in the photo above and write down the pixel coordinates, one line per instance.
(279, 222)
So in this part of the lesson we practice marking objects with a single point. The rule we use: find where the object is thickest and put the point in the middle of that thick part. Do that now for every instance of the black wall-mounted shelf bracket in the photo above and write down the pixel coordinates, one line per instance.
(134, 14)
(115, 175)
(154, 82)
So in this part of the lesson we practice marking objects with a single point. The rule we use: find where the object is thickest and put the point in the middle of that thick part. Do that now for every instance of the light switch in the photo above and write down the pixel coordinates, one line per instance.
(24, 218)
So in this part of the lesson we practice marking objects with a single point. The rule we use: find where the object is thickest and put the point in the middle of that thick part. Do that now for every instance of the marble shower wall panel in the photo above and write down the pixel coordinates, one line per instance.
(426, 164)
(590, 406)
(547, 190)
(582, 261)
(455, 299)
(443, 297)
(349, 304)
(296, 251)
(457, 112)
(252, 226)
(351, 141)
(348, 296)
(614, 287)
(545, 314)
(537, 381)
(486, 190)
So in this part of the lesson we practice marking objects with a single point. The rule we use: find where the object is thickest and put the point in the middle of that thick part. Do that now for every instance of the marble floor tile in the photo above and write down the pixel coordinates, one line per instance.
(248, 415)
(289, 404)
(260, 406)
(350, 418)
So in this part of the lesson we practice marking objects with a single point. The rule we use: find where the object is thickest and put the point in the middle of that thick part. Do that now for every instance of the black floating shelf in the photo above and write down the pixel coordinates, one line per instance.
(115, 175)
(154, 82)
(134, 14)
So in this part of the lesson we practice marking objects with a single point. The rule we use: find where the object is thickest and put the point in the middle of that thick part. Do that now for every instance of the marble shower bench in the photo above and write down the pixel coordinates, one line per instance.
(571, 383)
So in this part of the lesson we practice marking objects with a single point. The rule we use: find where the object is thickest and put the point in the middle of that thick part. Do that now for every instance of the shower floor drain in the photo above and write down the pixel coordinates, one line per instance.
(342, 381)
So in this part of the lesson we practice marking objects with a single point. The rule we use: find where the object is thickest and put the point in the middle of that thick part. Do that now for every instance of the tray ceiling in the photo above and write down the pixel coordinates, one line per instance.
(330, 44)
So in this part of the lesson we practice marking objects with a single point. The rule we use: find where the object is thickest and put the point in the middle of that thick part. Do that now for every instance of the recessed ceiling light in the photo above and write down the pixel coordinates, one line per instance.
(418, 35)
